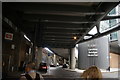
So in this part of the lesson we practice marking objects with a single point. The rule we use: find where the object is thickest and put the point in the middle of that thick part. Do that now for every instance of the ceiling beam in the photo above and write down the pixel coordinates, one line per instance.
(37, 17)
(65, 30)
(54, 45)
(71, 37)
(58, 45)
(57, 25)
(74, 22)
(50, 8)
(65, 13)
(111, 17)
(64, 24)
(61, 41)
(67, 37)
(62, 33)
(60, 21)
(73, 28)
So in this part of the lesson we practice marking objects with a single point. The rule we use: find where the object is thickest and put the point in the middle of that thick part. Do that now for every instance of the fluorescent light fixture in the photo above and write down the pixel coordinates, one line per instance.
(48, 50)
(26, 37)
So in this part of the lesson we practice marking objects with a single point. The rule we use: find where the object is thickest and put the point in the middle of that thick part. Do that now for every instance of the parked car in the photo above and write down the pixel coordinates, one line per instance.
(43, 67)
(57, 64)
(52, 65)
(65, 66)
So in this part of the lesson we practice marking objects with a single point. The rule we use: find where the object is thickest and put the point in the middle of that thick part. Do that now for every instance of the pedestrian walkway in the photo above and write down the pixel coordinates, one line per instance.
(102, 70)
(113, 73)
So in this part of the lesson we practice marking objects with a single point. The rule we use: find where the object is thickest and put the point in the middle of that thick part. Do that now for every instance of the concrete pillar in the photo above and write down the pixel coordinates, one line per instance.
(64, 61)
(55, 60)
(72, 58)
(39, 56)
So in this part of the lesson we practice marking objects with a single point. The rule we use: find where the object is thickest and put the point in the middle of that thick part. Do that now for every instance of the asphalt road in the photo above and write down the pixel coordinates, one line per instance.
(59, 72)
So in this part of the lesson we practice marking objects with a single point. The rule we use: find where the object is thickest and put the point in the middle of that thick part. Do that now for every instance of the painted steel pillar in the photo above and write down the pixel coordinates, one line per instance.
(72, 58)
(39, 56)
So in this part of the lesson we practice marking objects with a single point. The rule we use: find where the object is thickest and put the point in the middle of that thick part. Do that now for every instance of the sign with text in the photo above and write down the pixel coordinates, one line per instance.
(8, 36)
(92, 50)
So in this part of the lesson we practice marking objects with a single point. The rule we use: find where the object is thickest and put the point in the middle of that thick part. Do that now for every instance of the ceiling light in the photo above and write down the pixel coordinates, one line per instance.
(75, 37)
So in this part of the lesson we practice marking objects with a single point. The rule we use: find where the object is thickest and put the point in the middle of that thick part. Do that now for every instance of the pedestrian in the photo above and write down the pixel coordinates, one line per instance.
(31, 73)
(92, 73)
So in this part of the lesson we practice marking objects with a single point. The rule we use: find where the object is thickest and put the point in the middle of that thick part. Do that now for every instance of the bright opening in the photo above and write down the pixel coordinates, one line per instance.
(26, 38)
(87, 37)
(93, 31)
(48, 50)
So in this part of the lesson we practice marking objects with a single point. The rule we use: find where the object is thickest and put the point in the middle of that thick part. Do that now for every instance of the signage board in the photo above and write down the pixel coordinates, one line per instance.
(92, 50)
(8, 36)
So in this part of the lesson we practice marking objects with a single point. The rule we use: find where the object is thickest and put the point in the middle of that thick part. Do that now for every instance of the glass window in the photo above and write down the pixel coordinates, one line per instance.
(112, 23)
(113, 36)
(112, 12)
(104, 25)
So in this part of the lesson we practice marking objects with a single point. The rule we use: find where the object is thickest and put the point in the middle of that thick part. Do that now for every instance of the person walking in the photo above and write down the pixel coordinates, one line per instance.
(92, 73)
(31, 73)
